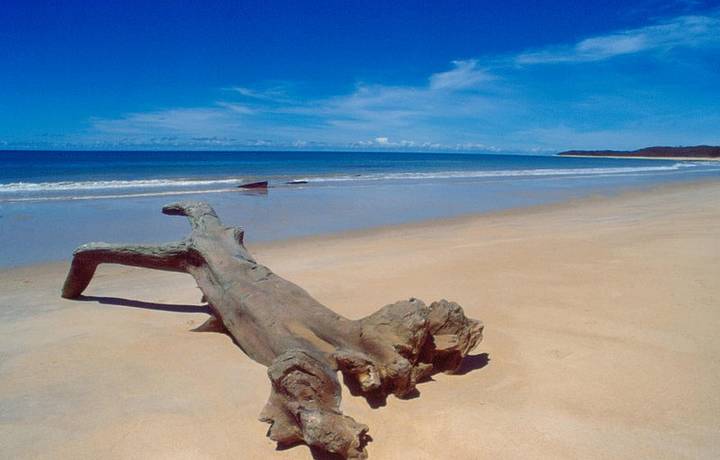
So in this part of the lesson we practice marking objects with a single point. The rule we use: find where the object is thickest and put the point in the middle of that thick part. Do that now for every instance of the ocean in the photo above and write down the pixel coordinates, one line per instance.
(50, 202)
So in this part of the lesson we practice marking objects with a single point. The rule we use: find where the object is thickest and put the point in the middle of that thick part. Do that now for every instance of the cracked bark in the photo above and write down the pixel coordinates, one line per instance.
(302, 342)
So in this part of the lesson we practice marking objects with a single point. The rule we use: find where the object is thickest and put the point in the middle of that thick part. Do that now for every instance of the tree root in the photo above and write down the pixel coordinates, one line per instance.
(302, 342)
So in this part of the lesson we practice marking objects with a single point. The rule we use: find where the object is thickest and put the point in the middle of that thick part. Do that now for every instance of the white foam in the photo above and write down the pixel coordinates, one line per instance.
(500, 173)
(15, 187)
(123, 195)
(54, 191)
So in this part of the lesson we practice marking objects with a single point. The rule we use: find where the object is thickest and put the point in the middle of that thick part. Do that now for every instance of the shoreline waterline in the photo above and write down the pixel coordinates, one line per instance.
(441, 223)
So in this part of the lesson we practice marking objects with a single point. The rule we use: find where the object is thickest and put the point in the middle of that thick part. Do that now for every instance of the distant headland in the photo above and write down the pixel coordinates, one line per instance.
(698, 152)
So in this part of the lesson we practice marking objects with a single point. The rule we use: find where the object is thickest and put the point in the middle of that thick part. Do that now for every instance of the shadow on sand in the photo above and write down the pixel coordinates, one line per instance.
(319, 454)
(378, 399)
(120, 302)
(472, 363)
(375, 400)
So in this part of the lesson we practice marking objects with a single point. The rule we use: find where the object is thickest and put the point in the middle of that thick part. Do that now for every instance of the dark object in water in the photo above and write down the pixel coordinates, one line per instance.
(295, 182)
(262, 184)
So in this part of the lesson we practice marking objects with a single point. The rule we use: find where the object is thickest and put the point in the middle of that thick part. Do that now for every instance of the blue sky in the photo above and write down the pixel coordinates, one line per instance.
(440, 76)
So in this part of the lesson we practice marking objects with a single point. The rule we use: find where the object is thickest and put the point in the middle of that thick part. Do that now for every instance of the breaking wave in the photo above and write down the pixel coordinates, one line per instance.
(117, 189)
(121, 195)
(500, 173)
(64, 186)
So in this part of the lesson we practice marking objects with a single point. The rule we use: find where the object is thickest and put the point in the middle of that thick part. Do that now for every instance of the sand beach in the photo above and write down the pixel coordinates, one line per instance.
(601, 341)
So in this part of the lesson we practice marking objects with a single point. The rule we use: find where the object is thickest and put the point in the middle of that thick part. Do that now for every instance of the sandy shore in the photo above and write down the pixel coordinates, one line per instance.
(601, 341)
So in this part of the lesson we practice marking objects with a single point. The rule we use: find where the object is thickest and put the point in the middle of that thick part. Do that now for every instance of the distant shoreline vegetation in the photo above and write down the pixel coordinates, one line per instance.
(696, 152)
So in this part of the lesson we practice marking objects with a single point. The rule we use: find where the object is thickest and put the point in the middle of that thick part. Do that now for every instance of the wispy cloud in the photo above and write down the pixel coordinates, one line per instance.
(199, 121)
(684, 31)
(276, 93)
(463, 75)
(509, 102)
(357, 119)
(235, 107)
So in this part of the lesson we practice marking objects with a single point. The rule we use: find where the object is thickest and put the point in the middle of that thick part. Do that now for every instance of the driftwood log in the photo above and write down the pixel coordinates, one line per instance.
(303, 343)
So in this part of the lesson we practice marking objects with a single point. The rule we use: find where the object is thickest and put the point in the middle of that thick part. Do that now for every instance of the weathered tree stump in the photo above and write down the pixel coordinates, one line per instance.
(302, 342)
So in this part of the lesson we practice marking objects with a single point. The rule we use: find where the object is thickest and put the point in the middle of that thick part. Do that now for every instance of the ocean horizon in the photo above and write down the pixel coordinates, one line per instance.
(52, 201)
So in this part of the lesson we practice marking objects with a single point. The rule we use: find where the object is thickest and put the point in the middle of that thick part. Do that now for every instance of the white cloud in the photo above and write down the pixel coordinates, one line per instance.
(370, 107)
(247, 92)
(199, 121)
(464, 75)
(237, 108)
(276, 93)
(467, 107)
(683, 31)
